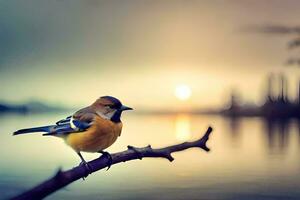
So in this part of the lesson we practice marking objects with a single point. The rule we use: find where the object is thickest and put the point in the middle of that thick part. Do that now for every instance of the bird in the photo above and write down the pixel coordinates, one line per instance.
(90, 129)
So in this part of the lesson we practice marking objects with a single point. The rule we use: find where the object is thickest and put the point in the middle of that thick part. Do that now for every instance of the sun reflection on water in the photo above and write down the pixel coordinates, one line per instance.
(183, 127)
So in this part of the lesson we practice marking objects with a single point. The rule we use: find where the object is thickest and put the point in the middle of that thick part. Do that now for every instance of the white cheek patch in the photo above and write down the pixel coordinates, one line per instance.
(107, 115)
(111, 114)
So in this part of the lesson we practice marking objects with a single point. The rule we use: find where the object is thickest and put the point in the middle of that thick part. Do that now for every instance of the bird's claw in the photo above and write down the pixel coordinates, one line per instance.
(109, 157)
(138, 153)
(88, 168)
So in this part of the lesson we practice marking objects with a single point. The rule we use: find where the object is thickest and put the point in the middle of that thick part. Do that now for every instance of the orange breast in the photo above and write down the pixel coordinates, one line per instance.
(102, 134)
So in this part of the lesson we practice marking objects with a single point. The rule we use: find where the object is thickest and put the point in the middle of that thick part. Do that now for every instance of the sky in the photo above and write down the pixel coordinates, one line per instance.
(70, 52)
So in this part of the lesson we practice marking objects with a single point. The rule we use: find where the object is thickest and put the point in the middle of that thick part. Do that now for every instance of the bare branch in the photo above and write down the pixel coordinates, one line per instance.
(63, 178)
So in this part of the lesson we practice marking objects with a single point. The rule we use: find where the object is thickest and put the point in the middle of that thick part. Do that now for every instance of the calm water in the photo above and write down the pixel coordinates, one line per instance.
(250, 159)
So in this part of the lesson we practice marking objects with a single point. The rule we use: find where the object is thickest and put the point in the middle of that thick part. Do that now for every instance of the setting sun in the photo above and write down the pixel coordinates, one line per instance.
(183, 92)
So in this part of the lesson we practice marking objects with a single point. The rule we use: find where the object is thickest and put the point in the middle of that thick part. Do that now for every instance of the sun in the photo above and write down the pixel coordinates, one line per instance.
(183, 92)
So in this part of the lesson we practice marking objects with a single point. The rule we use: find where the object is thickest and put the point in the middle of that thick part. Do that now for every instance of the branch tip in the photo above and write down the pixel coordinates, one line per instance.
(207, 134)
(208, 131)
(205, 148)
(169, 157)
(204, 139)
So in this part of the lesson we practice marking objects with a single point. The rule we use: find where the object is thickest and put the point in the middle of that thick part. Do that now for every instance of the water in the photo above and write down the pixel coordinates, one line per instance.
(250, 159)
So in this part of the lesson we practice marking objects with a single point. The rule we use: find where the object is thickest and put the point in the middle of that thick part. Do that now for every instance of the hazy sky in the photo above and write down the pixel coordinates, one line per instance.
(71, 52)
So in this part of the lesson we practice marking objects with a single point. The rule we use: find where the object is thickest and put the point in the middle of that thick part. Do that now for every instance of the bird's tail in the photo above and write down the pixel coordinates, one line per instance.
(33, 130)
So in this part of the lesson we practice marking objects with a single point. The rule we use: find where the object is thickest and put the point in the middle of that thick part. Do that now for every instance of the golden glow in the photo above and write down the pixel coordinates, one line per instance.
(183, 92)
(182, 127)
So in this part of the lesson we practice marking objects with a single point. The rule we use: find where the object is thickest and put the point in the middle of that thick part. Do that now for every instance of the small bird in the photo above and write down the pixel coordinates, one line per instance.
(90, 129)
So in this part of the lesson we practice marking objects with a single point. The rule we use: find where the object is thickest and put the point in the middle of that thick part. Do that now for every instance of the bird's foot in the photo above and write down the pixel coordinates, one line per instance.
(136, 150)
(88, 168)
(108, 156)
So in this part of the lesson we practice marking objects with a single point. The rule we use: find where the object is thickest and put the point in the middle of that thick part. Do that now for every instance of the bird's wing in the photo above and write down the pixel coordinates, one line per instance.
(85, 114)
(67, 119)
(75, 123)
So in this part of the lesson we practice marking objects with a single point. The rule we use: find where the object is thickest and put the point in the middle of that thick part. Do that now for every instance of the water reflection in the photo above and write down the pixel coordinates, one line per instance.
(235, 130)
(277, 133)
(183, 127)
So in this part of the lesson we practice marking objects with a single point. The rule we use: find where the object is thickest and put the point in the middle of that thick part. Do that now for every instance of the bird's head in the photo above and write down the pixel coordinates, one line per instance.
(109, 107)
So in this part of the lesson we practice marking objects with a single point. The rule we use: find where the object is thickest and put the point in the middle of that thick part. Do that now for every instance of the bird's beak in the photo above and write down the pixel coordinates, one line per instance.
(125, 108)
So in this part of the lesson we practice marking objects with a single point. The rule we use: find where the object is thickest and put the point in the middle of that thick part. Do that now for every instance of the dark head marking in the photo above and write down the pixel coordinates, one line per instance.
(116, 103)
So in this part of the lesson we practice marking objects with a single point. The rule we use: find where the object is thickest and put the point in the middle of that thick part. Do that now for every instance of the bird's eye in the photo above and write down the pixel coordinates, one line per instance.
(110, 106)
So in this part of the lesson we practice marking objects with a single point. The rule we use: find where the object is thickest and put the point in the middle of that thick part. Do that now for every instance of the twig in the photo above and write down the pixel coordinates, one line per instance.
(63, 178)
